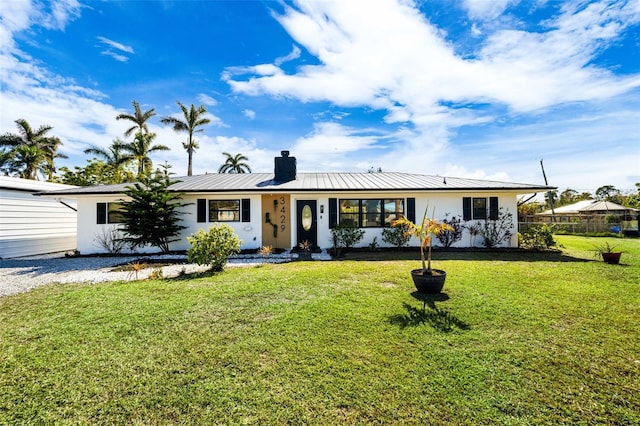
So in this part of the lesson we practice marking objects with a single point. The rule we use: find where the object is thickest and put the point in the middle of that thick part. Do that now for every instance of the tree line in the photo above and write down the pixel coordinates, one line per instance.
(31, 153)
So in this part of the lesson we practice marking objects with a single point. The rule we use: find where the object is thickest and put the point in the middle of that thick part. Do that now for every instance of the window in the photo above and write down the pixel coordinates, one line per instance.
(368, 213)
(476, 208)
(479, 208)
(109, 213)
(224, 210)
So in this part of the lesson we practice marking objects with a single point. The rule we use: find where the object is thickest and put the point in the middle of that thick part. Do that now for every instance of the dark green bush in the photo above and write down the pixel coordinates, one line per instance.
(346, 235)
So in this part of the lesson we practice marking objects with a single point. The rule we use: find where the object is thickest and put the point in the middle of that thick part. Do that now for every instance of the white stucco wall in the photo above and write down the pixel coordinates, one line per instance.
(251, 232)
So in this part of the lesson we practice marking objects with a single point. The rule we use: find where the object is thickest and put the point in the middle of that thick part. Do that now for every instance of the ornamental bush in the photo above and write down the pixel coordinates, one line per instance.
(449, 237)
(538, 237)
(495, 231)
(213, 247)
(346, 235)
(397, 236)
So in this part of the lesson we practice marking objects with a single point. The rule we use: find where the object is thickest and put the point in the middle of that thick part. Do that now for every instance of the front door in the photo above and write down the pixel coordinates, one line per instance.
(307, 222)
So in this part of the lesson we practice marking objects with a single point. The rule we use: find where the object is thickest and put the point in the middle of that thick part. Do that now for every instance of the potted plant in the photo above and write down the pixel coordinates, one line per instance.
(426, 279)
(608, 254)
(305, 250)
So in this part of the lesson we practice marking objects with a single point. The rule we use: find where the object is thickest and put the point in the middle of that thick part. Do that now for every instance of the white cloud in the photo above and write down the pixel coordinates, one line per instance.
(249, 114)
(294, 54)
(486, 9)
(115, 49)
(417, 77)
(207, 100)
(116, 45)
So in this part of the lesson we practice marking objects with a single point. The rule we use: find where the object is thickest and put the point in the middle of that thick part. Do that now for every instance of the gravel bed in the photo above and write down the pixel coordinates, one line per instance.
(20, 275)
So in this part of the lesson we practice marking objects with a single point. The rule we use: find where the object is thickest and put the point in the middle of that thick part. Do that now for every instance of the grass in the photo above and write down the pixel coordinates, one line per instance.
(517, 338)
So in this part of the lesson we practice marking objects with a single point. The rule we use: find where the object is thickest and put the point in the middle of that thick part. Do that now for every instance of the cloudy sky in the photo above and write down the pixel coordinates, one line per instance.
(467, 88)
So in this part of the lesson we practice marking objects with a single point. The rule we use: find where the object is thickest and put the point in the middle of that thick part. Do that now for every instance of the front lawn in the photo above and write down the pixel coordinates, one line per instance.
(516, 339)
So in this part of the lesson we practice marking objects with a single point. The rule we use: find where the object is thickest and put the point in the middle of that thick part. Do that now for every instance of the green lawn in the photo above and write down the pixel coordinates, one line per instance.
(516, 339)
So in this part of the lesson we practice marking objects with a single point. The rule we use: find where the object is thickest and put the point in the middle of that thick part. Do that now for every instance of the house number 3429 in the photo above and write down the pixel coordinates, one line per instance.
(283, 214)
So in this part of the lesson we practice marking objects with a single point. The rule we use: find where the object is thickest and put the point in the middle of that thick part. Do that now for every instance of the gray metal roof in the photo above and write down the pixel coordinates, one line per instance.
(320, 182)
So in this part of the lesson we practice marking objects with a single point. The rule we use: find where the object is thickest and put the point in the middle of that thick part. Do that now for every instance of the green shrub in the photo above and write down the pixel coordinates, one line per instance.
(449, 237)
(496, 231)
(397, 236)
(213, 247)
(539, 237)
(346, 235)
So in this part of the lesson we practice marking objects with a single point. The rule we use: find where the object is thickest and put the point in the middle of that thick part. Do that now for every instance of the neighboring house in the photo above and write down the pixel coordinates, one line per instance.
(31, 225)
(286, 208)
(594, 216)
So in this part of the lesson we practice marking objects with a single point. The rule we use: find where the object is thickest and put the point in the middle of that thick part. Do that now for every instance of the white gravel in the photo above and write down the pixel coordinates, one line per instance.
(20, 275)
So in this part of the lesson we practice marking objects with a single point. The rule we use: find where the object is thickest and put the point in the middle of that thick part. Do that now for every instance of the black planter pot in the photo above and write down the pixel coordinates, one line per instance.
(611, 258)
(430, 284)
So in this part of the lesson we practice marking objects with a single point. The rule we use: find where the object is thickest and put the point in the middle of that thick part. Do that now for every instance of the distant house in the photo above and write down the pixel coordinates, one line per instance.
(285, 208)
(31, 225)
(594, 216)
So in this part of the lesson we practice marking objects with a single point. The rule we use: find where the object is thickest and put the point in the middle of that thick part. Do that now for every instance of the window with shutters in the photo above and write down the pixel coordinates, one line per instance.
(224, 210)
(370, 213)
(480, 208)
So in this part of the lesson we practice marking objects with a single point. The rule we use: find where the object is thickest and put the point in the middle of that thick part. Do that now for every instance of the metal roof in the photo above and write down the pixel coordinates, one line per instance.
(587, 206)
(321, 182)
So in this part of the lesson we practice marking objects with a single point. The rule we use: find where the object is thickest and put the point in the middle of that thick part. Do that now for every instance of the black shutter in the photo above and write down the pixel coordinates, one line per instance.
(333, 212)
(246, 210)
(101, 216)
(493, 208)
(411, 209)
(466, 208)
(202, 210)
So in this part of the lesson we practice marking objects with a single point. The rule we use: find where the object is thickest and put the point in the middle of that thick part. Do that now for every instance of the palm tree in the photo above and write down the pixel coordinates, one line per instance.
(140, 149)
(6, 162)
(114, 157)
(235, 164)
(192, 120)
(32, 151)
(139, 119)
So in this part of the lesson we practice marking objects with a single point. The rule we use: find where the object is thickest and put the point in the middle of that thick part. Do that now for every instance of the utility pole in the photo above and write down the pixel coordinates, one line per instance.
(553, 213)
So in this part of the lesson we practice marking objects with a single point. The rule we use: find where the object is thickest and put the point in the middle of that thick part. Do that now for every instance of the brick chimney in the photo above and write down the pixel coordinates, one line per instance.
(285, 167)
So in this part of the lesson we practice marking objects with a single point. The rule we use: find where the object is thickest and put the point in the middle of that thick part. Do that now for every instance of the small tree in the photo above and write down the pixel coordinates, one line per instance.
(213, 247)
(152, 215)
(496, 231)
(398, 236)
(452, 235)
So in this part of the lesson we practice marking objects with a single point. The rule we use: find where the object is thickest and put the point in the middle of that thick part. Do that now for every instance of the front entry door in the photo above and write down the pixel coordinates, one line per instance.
(307, 221)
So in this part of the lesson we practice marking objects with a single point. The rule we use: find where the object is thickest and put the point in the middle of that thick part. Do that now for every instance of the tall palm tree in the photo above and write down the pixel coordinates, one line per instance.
(140, 149)
(32, 151)
(235, 164)
(138, 118)
(193, 118)
(115, 158)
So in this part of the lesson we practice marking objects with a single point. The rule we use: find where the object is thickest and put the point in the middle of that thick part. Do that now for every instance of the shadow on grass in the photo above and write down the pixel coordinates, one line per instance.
(440, 319)
(477, 254)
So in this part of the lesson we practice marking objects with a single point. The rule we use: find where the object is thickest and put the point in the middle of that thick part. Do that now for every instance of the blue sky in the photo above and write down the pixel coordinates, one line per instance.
(468, 88)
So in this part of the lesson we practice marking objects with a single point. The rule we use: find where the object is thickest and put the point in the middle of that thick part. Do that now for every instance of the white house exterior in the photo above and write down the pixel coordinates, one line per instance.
(31, 225)
(286, 208)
